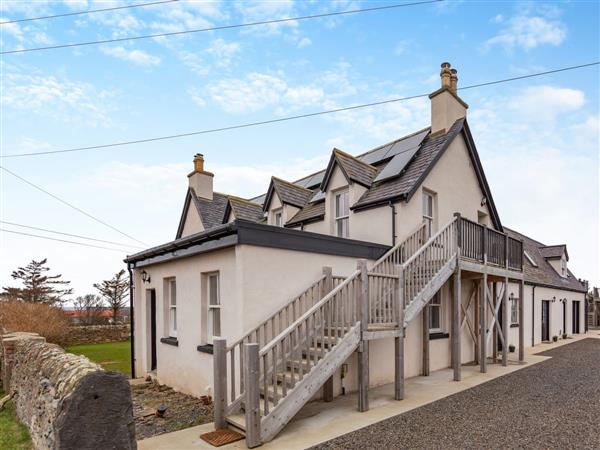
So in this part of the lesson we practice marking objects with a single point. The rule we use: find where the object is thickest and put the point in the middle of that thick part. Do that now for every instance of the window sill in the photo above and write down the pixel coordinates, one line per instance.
(434, 336)
(514, 325)
(170, 341)
(207, 348)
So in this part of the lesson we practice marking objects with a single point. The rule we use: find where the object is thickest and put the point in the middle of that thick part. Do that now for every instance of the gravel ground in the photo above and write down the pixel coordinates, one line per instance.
(553, 404)
(183, 410)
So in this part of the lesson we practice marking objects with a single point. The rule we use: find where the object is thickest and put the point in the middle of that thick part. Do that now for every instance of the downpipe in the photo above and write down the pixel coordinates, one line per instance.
(131, 333)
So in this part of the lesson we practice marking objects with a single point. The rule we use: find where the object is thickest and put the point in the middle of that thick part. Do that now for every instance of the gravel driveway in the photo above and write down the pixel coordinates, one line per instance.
(553, 404)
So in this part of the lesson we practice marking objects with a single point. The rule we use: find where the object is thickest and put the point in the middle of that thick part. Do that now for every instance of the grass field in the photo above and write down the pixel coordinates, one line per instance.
(13, 434)
(112, 356)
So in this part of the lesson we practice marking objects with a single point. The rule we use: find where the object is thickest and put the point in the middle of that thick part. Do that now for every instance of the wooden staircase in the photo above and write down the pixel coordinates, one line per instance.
(273, 371)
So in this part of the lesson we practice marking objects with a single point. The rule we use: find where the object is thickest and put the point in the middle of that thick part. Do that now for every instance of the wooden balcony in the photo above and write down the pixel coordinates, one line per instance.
(483, 249)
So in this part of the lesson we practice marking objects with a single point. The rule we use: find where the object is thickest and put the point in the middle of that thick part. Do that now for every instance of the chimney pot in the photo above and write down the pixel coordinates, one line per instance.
(445, 75)
(198, 162)
(453, 80)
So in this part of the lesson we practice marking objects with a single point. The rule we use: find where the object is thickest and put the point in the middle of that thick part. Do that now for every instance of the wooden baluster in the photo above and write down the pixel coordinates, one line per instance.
(252, 400)
(283, 368)
(220, 381)
(232, 353)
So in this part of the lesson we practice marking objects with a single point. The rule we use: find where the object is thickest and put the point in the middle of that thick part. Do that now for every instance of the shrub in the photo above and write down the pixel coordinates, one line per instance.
(46, 320)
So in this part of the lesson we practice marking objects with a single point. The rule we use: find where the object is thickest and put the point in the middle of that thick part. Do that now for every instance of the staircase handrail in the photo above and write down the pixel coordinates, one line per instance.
(389, 254)
(429, 242)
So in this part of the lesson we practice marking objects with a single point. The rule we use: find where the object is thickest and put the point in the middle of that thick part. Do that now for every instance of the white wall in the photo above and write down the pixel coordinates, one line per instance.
(193, 223)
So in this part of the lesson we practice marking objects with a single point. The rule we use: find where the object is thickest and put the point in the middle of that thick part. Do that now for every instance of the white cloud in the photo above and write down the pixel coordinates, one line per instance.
(546, 102)
(304, 42)
(529, 32)
(135, 56)
(402, 47)
(223, 52)
(68, 101)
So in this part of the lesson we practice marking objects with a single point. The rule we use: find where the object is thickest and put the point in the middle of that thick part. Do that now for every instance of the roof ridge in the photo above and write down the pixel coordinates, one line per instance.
(289, 183)
(236, 198)
(342, 152)
(554, 245)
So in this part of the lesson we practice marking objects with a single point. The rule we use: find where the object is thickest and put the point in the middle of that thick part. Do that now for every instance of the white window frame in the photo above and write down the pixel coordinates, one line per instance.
(213, 307)
(171, 301)
(514, 311)
(341, 218)
(278, 217)
(563, 268)
(428, 216)
(436, 304)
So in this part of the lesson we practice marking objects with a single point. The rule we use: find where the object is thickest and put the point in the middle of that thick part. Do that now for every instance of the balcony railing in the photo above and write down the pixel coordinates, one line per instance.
(487, 246)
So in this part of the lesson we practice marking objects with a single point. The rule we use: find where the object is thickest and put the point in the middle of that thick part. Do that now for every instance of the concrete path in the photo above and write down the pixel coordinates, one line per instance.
(318, 422)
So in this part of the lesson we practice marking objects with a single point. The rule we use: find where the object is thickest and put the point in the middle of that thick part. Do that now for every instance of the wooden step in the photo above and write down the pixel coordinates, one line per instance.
(237, 422)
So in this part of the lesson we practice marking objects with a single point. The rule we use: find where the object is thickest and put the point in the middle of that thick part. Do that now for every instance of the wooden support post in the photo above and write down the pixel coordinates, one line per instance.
(327, 288)
(399, 341)
(505, 323)
(476, 321)
(425, 340)
(363, 349)
(483, 324)
(220, 381)
(522, 321)
(495, 331)
(252, 401)
(456, 328)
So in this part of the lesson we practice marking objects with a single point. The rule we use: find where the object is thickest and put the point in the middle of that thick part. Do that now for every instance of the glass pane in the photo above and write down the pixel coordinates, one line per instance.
(173, 318)
(216, 322)
(172, 292)
(434, 318)
(213, 286)
(346, 225)
(338, 206)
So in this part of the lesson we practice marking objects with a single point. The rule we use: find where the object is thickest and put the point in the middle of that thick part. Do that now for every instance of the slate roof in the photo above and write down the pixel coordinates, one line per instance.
(554, 251)
(353, 168)
(544, 274)
(311, 212)
(288, 193)
(394, 188)
(244, 209)
(211, 211)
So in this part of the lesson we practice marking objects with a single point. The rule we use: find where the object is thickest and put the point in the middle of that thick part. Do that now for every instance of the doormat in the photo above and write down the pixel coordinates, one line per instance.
(221, 437)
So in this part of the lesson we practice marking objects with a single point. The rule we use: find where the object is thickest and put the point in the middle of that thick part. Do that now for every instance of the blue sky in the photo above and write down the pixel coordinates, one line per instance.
(537, 138)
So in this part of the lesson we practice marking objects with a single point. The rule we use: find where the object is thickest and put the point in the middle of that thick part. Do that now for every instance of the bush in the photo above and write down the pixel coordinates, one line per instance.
(46, 320)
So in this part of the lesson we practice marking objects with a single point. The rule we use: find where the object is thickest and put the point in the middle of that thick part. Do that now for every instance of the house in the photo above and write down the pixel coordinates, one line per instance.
(594, 309)
(385, 265)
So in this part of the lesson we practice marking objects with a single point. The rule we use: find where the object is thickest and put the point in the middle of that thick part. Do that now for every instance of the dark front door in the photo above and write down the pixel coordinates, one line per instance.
(545, 320)
(575, 317)
(152, 329)
(500, 324)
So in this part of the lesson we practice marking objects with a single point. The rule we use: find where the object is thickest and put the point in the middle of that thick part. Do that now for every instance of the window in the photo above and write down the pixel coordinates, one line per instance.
(514, 310)
(171, 297)
(278, 218)
(342, 214)
(428, 212)
(563, 267)
(214, 307)
(435, 314)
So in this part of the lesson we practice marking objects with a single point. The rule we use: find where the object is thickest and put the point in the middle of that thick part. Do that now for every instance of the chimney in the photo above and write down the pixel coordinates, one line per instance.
(446, 106)
(200, 180)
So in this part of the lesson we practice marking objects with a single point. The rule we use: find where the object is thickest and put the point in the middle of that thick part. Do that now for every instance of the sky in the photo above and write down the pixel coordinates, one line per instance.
(538, 139)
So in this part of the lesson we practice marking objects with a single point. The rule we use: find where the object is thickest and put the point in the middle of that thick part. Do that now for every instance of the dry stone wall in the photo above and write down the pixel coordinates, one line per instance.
(97, 334)
(66, 401)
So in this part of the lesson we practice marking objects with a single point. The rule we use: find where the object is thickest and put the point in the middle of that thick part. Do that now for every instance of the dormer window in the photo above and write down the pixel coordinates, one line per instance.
(342, 214)
(278, 215)
(563, 268)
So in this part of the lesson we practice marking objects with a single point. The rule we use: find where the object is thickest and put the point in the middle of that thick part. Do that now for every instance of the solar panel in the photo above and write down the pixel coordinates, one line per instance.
(376, 155)
(397, 164)
(406, 145)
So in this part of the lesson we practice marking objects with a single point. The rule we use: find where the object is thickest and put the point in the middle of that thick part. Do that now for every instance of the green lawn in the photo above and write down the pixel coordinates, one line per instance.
(111, 356)
(13, 434)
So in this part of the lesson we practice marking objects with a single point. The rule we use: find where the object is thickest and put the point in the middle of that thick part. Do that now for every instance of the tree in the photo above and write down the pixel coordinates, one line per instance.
(114, 292)
(38, 286)
(89, 308)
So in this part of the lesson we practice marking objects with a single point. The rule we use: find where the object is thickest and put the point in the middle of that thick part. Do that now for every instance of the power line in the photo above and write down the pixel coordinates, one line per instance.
(222, 27)
(62, 240)
(71, 206)
(288, 118)
(68, 234)
(87, 12)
